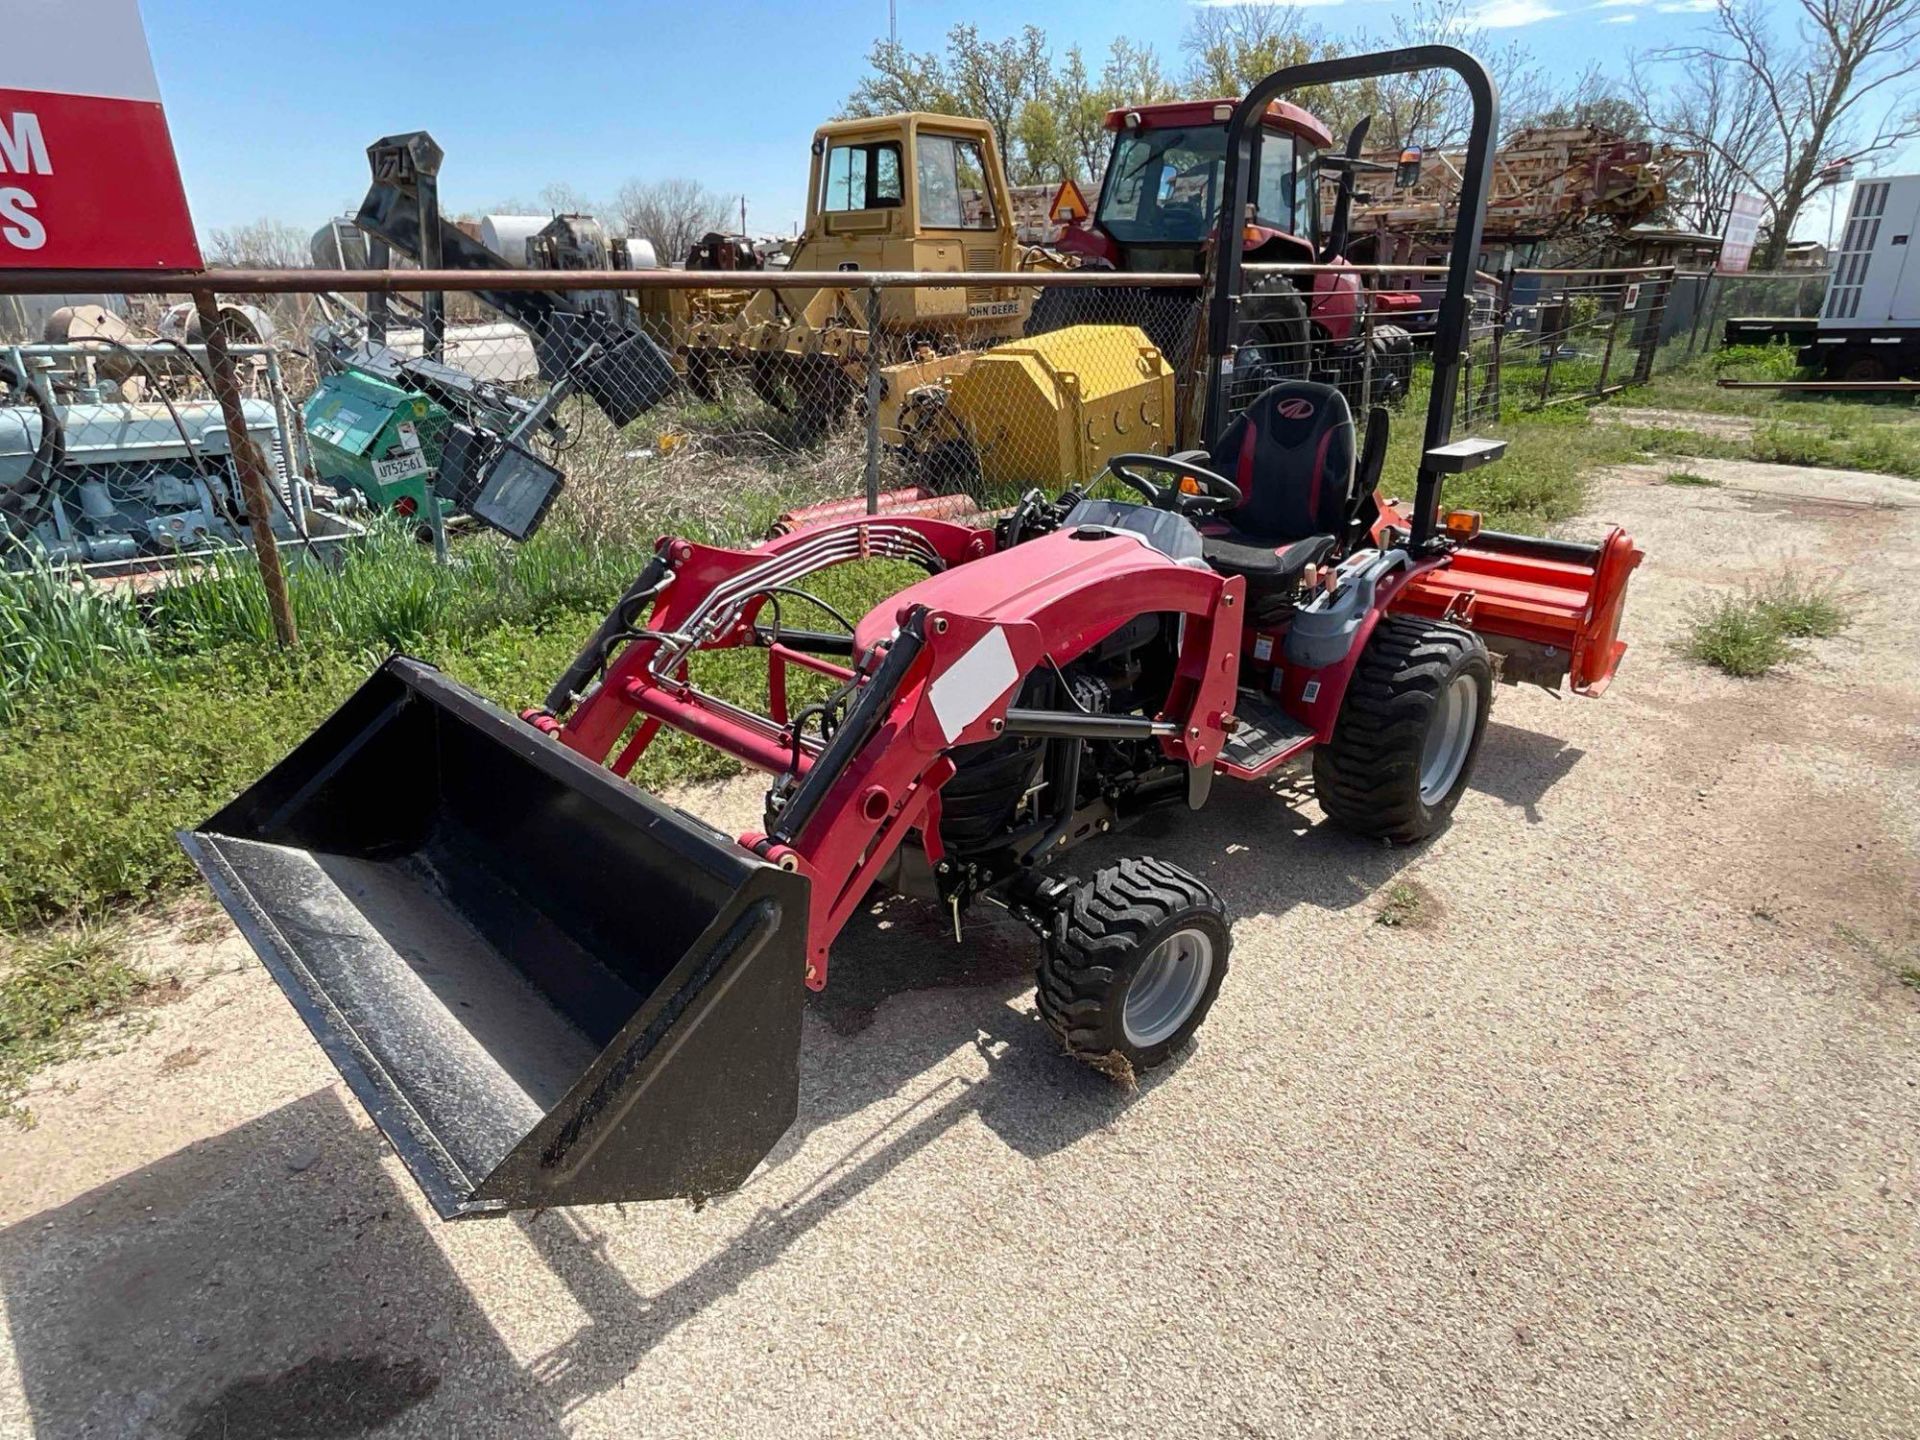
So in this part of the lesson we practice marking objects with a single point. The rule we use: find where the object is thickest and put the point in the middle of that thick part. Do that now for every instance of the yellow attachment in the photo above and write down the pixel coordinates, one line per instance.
(1055, 407)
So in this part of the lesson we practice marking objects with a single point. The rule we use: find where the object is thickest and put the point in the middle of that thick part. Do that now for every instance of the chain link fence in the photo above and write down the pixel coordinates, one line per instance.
(115, 453)
(1703, 301)
(714, 403)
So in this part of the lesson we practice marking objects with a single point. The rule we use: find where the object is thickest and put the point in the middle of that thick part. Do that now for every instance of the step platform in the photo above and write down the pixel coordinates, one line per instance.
(1266, 739)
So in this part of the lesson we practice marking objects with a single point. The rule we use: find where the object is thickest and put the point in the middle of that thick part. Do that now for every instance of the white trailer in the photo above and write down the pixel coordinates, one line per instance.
(1868, 328)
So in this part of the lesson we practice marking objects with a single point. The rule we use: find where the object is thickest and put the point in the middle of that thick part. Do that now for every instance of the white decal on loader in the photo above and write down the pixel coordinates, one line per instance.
(962, 693)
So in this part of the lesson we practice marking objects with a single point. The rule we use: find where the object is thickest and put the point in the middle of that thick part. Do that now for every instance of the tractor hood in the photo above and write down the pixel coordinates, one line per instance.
(1048, 581)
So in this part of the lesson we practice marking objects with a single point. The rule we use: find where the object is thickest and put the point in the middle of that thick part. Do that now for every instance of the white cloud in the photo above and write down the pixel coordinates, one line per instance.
(1511, 14)
(1620, 19)
(1688, 7)
(1620, 4)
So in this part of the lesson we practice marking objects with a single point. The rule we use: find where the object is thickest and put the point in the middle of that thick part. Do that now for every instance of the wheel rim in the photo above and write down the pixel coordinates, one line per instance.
(1449, 737)
(1168, 986)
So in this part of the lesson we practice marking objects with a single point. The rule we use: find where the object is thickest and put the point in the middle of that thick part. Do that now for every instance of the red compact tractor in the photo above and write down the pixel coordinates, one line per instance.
(549, 987)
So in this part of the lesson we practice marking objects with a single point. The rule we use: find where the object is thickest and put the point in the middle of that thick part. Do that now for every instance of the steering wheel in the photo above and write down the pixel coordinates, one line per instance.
(1217, 492)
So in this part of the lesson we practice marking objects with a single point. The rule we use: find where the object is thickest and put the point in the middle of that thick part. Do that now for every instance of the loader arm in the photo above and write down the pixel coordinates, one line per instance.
(938, 667)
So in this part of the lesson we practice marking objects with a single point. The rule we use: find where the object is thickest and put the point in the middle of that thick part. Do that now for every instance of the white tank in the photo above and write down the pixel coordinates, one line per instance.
(507, 235)
(634, 253)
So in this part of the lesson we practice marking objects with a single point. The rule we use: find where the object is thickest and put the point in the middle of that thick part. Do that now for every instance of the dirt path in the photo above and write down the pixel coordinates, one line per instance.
(1700, 422)
(1619, 1138)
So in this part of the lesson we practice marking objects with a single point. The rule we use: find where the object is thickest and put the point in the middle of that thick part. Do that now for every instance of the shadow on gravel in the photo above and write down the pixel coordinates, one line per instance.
(865, 1047)
(1034, 1097)
(270, 1282)
(1520, 766)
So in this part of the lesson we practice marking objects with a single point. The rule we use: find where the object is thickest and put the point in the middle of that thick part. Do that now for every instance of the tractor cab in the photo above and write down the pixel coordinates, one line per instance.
(1160, 201)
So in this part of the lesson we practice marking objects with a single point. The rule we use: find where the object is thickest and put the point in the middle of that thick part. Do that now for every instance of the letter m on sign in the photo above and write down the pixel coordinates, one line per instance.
(23, 149)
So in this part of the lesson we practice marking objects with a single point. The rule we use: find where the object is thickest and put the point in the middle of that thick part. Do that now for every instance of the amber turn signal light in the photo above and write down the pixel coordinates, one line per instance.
(1462, 524)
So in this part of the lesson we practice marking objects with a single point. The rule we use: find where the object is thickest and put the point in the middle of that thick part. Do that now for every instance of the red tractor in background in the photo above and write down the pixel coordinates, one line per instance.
(1159, 209)
(549, 987)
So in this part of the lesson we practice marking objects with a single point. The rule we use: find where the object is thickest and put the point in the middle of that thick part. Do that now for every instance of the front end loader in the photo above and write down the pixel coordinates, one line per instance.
(549, 988)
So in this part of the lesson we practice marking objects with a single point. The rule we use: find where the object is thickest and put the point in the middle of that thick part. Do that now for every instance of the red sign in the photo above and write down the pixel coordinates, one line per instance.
(88, 179)
(1743, 228)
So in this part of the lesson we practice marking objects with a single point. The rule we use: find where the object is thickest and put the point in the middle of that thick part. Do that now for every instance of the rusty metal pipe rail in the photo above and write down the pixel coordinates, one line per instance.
(389, 282)
(1829, 387)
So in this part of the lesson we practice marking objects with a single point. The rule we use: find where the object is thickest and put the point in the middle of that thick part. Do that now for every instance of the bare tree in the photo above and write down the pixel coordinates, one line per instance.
(1431, 107)
(1719, 113)
(1840, 87)
(673, 214)
(560, 198)
(1595, 98)
(265, 244)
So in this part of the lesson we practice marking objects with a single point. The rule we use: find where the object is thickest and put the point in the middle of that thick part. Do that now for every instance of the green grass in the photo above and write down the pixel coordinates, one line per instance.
(101, 768)
(1688, 477)
(1838, 432)
(55, 633)
(1749, 634)
(1541, 480)
(48, 983)
(1733, 636)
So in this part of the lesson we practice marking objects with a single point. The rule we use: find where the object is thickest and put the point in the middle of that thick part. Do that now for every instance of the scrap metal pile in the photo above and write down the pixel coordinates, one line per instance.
(1545, 182)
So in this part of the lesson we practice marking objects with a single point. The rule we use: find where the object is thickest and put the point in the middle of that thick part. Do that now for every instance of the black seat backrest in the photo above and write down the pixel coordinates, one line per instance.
(1291, 453)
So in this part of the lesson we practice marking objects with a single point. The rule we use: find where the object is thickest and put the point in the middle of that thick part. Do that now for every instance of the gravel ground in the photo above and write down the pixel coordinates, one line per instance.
(1616, 1137)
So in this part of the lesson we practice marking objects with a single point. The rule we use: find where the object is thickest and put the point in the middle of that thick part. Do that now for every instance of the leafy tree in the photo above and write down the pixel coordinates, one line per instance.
(997, 81)
(1132, 75)
(899, 80)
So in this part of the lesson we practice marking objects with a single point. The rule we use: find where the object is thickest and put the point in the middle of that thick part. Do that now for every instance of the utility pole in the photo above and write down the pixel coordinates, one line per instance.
(893, 23)
(743, 214)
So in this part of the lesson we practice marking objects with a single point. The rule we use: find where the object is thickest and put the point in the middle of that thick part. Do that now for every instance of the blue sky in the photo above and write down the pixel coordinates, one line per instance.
(272, 105)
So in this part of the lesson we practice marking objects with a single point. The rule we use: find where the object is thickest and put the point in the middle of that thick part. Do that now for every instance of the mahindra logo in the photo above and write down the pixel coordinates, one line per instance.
(1295, 409)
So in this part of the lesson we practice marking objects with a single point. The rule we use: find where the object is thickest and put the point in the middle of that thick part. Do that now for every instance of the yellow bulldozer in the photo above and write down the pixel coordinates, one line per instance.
(964, 393)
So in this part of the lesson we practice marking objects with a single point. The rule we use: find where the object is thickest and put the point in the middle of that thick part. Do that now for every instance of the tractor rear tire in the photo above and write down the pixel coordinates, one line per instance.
(1136, 965)
(1409, 731)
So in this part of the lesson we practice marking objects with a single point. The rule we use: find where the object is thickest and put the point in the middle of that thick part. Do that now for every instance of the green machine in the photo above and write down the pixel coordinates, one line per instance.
(376, 438)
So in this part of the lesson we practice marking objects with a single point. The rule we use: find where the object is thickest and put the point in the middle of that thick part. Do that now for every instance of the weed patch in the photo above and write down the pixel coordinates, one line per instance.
(1750, 633)
(49, 983)
(1405, 906)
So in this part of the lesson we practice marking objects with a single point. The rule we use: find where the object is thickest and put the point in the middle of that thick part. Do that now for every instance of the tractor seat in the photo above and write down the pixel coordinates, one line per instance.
(1264, 566)
(1292, 455)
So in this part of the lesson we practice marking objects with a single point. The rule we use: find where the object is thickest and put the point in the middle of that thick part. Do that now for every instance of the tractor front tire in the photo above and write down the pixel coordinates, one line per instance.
(1136, 965)
(1409, 731)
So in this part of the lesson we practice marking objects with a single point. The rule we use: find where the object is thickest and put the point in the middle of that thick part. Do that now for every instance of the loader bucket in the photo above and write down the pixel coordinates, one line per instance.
(545, 986)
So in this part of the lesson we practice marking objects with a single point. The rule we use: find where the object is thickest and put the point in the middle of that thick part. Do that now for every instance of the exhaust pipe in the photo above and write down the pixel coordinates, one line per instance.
(545, 986)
